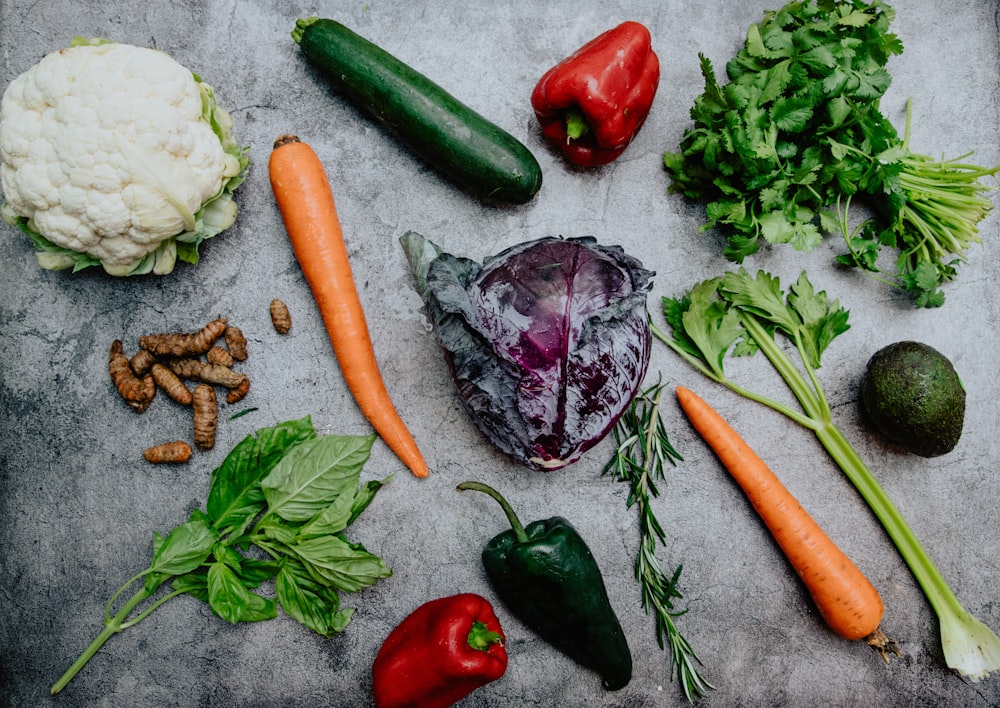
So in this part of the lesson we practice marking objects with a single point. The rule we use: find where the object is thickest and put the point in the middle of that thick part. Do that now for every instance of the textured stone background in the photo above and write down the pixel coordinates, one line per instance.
(78, 506)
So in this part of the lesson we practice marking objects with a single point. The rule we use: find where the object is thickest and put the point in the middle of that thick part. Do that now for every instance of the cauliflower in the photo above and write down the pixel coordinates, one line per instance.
(117, 156)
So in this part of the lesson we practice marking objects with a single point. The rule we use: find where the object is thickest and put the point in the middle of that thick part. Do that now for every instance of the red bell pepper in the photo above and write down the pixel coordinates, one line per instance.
(441, 652)
(592, 104)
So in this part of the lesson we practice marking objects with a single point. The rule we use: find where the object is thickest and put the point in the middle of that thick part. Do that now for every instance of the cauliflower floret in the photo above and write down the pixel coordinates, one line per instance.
(109, 151)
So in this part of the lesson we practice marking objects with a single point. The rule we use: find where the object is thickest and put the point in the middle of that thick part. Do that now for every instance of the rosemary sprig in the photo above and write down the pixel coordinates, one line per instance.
(642, 451)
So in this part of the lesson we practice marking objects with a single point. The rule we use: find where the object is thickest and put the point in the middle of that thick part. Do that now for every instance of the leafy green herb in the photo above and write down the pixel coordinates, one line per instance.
(642, 451)
(291, 495)
(778, 153)
(739, 313)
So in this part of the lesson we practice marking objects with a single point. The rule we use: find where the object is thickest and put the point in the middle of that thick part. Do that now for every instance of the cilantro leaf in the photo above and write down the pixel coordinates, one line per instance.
(791, 114)
(775, 227)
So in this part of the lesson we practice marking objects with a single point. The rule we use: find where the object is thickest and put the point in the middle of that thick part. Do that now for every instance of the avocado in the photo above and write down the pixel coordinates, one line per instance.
(913, 396)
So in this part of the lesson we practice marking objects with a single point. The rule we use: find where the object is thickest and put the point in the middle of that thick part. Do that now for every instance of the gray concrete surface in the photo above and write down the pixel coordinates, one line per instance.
(79, 506)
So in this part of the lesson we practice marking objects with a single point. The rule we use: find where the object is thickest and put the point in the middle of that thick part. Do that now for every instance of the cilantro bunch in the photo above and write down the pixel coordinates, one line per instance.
(287, 492)
(779, 152)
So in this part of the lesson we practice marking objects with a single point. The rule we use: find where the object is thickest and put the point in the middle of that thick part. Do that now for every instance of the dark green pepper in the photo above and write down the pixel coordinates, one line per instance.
(546, 575)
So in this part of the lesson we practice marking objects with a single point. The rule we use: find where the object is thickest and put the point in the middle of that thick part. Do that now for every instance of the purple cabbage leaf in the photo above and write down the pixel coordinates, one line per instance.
(547, 341)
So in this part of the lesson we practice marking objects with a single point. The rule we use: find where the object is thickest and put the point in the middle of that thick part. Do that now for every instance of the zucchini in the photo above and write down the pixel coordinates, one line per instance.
(448, 135)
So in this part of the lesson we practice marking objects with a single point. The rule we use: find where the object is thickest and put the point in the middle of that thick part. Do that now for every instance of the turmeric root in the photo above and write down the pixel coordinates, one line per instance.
(170, 453)
(218, 355)
(198, 370)
(206, 416)
(170, 383)
(167, 361)
(236, 343)
(141, 361)
(184, 344)
(238, 393)
(281, 318)
(137, 392)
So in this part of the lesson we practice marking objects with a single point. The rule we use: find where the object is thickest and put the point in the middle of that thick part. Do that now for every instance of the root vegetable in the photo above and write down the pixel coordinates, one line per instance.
(846, 599)
(184, 344)
(236, 343)
(219, 356)
(137, 391)
(308, 210)
(141, 361)
(281, 318)
(206, 416)
(159, 365)
(171, 384)
(238, 393)
(170, 453)
(203, 371)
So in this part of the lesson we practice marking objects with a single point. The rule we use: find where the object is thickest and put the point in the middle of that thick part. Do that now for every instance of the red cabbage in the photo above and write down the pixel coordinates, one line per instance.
(548, 341)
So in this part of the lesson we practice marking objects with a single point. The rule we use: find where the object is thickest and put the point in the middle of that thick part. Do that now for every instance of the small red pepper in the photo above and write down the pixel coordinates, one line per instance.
(592, 104)
(441, 652)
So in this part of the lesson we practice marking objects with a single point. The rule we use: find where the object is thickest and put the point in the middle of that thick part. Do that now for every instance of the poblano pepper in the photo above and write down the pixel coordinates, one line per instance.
(547, 576)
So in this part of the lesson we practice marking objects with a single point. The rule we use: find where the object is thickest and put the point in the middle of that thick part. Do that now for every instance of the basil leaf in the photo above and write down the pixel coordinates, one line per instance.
(228, 555)
(194, 584)
(279, 531)
(259, 609)
(331, 520)
(335, 562)
(227, 596)
(343, 511)
(364, 497)
(234, 495)
(183, 550)
(311, 603)
(313, 473)
(253, 572)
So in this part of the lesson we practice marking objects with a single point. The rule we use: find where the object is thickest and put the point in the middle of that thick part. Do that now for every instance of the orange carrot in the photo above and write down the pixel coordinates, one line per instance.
(307, 207)
(846, 599)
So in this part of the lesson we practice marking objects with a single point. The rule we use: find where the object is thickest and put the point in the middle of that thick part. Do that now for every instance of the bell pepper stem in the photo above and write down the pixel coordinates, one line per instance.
(482, 637)
(576, 124)
(515, 523)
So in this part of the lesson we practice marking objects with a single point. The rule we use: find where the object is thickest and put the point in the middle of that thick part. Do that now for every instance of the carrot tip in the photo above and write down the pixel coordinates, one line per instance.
(883, 645)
